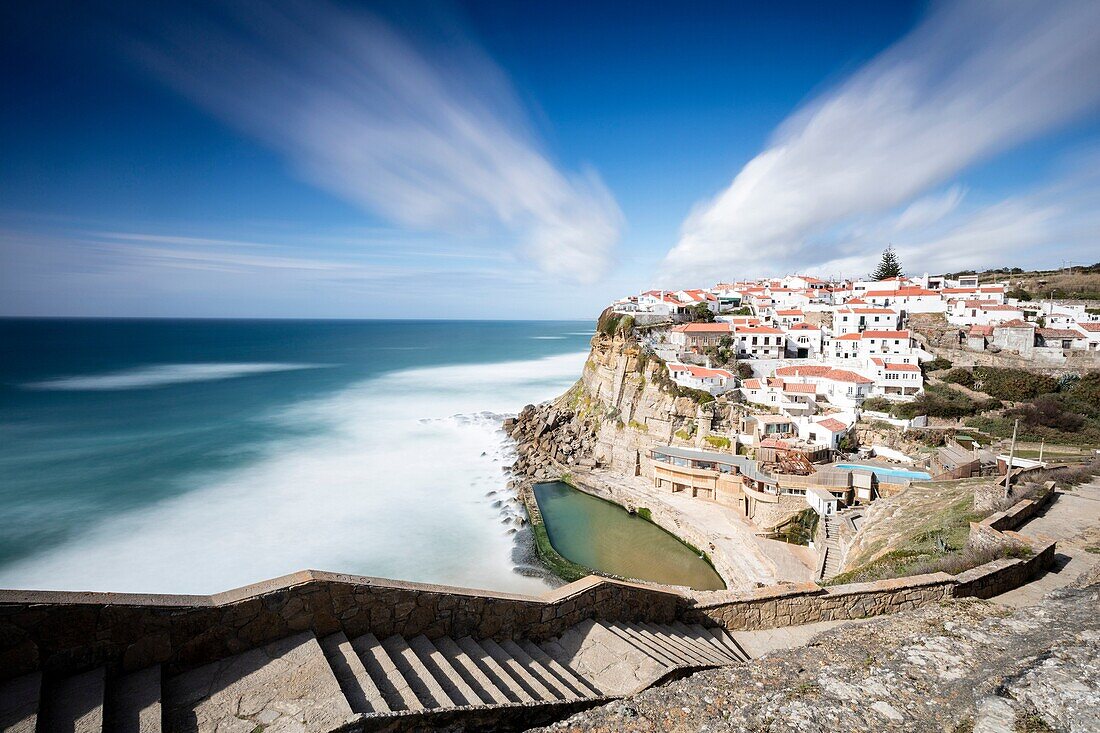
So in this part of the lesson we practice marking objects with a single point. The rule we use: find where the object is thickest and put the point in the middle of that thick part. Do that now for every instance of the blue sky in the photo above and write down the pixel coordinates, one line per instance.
(488, 159)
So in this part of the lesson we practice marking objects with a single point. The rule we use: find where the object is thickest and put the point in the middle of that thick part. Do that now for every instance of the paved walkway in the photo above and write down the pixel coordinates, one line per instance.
(1073, 521)
(759, 643)
(749, 560)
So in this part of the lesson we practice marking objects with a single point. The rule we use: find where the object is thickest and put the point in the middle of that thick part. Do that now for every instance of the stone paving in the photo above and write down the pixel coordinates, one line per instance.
(1073, 520)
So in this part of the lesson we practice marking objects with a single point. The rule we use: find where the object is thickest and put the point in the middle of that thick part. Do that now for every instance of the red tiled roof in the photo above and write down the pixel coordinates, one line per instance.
(1090, 327)
(1058, 333)
(981, 330)
(823, 372)
(804, 327)
(763, 330)
(833, 425)
(902, 367)
(1016, 323)
(792, 312)
(751, 384)
(799, 388)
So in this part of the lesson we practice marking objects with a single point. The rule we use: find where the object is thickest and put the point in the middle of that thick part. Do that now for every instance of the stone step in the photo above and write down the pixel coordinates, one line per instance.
(569, 676)
(729, 642)
(420, 679)
(672, 645)
(539, 671)
(704, 641)
(391, 683)
(134, 704)
(469, 670)
(362, 693)
(457, 689)
(19, 703)
(75, 704)
(687, 640)
(501, 677)
(703, 650)
(534, 686)
(615, 662)
(285, 685)
(644, 645)
(722, 641)
(675, 656)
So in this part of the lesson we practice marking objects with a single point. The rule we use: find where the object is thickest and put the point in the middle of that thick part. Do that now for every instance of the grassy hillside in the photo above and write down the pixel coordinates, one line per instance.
(1071, 283)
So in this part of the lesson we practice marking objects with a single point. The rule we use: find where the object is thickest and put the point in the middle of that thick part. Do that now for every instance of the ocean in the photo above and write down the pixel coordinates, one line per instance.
(194, 456)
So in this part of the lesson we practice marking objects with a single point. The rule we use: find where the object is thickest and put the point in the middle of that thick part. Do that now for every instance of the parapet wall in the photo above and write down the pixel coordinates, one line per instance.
(70, 631)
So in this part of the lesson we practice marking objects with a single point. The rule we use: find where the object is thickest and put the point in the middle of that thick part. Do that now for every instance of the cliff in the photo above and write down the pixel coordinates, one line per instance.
(620, 408)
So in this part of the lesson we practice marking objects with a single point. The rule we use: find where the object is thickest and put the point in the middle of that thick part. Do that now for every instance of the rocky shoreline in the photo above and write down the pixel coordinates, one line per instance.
(549, 440)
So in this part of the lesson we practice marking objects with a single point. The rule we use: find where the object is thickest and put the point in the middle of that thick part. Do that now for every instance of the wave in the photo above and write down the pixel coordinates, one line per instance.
(548, 338)
(399, 476)
(162, 375)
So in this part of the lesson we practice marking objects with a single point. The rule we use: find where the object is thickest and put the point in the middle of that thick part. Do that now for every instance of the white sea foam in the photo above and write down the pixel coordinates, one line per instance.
(548, 338)
(392, 482)
(161, 375)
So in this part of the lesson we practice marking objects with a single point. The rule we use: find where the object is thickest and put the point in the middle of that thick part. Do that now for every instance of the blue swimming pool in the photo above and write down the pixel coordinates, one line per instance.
(884, 473)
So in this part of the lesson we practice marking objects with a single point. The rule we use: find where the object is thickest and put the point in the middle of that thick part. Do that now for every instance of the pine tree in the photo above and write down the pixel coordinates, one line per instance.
(888, 266)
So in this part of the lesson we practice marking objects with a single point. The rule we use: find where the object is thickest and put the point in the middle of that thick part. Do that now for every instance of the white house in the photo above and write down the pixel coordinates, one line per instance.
(714, 381)
(981, 313)
(841, 387)
(803, 340)
(853, 319)
(895, 379)
(759, 342)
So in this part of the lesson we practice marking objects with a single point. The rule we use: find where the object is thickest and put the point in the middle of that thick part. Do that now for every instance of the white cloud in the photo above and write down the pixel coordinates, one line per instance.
(973, 80)
(433, 143)
(928, 210)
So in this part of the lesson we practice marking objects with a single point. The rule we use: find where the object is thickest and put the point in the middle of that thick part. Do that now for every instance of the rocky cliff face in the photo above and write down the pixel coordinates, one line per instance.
(612, 416)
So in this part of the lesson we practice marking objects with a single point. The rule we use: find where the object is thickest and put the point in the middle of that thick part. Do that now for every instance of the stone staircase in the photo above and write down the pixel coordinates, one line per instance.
(831, 547)
(303, 683)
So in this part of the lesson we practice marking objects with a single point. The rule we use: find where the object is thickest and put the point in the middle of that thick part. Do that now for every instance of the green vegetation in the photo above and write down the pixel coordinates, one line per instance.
(685, 435)
(701, 313)
(611, 323)
(742, 311)
(1063, 411)
(799, 529)
(888, 266)
(937, 364)
(639, 426)
(744, 370)
(933, 542)
(644, 513)
(718, 441)
(1012, 384)
(959, 375)
(939, 400)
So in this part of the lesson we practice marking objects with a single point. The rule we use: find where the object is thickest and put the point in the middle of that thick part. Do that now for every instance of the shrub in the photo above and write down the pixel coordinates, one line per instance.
(701, 312)
(940, 401)
(744, 370)
(937, 364)
(608, 322)
(1048, 412)
(1016, 385)
(959, 375)
(639, 426)
(877, 404)
(1018, 294)
(700, 396)
(645, 513)
(717, 441)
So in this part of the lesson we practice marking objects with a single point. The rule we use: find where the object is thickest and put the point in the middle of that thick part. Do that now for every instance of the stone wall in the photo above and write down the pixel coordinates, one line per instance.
(72, 631)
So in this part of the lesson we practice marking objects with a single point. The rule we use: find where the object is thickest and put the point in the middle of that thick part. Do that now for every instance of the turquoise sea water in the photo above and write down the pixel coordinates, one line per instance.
(195, 456)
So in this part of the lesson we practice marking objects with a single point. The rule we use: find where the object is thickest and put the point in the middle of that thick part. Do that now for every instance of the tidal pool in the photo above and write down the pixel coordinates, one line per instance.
(604, 536)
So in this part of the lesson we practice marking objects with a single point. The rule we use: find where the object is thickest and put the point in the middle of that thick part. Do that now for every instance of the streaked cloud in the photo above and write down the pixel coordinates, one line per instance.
(973, 80)
(429, 136)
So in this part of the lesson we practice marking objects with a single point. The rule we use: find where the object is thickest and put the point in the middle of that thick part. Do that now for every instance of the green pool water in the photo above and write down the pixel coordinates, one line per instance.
(606, 537)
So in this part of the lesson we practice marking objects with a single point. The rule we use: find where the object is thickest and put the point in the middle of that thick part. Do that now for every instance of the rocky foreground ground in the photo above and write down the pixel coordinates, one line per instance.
(963, 666)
